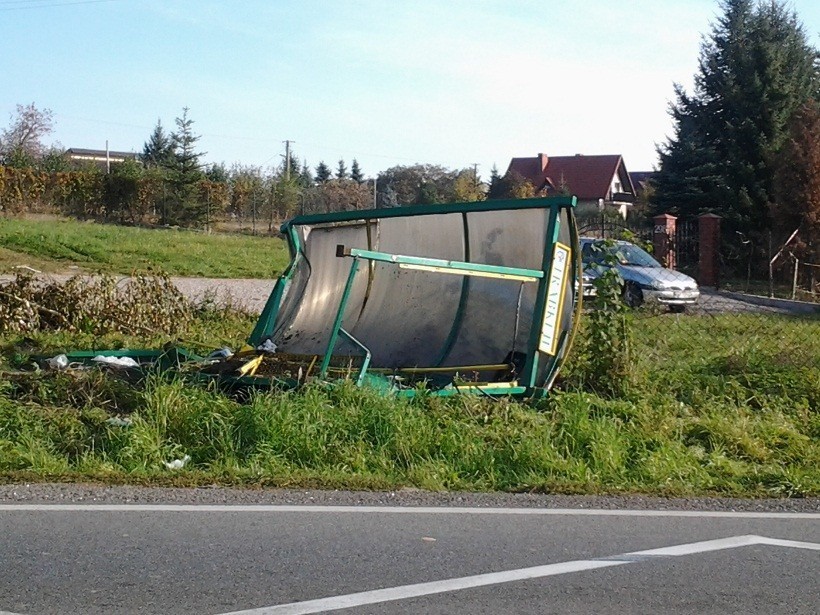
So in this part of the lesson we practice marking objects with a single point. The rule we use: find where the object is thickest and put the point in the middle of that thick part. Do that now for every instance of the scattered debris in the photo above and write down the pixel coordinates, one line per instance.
(267, 346)
(177, 464)
(116, 362)
(400, 318)
(222, 353)
(118, 422)
(249, 368)
(58, 362)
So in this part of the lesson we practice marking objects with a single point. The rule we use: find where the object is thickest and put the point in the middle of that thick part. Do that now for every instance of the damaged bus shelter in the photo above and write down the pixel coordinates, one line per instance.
(456, 298)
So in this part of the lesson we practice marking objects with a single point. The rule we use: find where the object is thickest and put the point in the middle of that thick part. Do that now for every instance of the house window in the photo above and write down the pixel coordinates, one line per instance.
(617, 187)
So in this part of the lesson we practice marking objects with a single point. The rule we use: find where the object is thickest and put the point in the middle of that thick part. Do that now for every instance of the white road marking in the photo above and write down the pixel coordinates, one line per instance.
(401, 510)
(416, 590)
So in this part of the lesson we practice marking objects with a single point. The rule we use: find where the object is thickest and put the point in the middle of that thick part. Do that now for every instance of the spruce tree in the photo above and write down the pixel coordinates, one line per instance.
(497, 188)
(356, 172)
(756, 68)
(185, 172)
(158, 150)
(306, 177)
(341, 170)
(323, 173)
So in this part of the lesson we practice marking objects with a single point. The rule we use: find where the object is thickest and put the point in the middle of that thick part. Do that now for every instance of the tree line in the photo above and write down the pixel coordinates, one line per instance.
(745, 145)
(167, 184)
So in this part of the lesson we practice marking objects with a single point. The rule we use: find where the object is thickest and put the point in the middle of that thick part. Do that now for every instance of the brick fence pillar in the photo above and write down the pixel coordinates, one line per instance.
(709, 244)
(663, 239)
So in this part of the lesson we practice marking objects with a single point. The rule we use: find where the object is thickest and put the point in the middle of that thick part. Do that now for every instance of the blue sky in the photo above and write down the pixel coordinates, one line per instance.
(452, 82)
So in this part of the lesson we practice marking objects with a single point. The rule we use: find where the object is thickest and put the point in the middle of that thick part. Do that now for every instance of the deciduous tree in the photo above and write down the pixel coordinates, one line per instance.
(23, 139)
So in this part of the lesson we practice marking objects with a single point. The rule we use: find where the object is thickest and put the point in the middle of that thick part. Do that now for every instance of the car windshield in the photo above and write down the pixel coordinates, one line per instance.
(626, 253)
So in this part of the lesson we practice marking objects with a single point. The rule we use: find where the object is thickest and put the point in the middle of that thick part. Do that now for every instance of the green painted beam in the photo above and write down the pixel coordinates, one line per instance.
(446, 266)
(426, 210)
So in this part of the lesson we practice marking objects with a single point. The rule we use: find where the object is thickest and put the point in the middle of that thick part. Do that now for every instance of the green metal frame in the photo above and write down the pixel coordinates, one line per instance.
(267, 321)
(426, 210)
(172, 358)
(446, 266)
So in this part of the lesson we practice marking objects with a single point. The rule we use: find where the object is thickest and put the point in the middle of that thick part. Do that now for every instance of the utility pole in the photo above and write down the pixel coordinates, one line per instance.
(475, 174)
(287, 143)
(375, 179)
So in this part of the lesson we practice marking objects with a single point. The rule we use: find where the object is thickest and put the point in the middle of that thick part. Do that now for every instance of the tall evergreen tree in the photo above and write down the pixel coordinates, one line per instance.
(497, 188)
(341, 170)
(756, 68)
(185, 172)
(158, 150)
(306, 177)
(356, 172)
(186, 158)
(217, 173)
(323, 172)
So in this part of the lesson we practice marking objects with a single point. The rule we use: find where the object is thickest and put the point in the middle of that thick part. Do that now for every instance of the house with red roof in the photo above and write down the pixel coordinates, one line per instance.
(599, 182)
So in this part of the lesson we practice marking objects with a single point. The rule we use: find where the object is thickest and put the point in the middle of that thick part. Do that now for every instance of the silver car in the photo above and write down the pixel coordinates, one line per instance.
(645, 279)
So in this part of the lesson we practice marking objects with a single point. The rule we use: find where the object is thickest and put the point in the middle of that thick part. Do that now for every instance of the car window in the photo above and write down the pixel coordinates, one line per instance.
(626, 254)
(630, 254)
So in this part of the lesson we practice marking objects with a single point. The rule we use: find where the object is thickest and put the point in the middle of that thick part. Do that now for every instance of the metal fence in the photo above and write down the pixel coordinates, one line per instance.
(697, 292)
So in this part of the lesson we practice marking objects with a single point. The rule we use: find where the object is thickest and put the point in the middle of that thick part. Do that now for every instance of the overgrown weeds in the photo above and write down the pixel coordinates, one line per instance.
(99, 305)
(709, 409)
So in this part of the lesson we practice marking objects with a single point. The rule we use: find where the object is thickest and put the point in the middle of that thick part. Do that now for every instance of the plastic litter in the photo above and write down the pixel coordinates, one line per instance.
(222, 353)
(267, 347)
(249, 368)
(116, 362)
(118, 422)
(177, 464)
(58, 362)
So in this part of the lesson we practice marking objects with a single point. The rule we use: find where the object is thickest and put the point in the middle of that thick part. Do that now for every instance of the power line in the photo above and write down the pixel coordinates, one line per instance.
(45, 6)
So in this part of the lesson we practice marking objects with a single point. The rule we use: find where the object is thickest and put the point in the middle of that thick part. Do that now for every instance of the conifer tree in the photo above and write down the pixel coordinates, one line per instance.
(356, 172)
(756, 69)
(323, 172)
(185, 171)
(341, 170)
(158, 151)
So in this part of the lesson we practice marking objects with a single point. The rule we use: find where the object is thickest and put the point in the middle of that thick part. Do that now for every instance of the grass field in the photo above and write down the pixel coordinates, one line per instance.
(717, 405)
(56, 245)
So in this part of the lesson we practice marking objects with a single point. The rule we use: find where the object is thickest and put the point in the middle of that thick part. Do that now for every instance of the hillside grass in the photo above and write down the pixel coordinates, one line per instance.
(726, 405)
(59, 244)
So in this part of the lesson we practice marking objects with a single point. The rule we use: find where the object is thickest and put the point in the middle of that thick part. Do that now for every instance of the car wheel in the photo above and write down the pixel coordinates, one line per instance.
(633, 296)
(677, 309)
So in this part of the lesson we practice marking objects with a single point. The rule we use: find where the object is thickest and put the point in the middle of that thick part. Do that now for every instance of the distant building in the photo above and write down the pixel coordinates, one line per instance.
(99, 157)
(599, 182)
(641, 180)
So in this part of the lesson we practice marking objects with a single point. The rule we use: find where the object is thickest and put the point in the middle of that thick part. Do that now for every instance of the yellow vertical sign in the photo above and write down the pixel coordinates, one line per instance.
(556, 287)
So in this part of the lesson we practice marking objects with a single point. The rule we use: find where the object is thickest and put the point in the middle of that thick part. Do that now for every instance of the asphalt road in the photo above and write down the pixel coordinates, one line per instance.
(263, 559)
